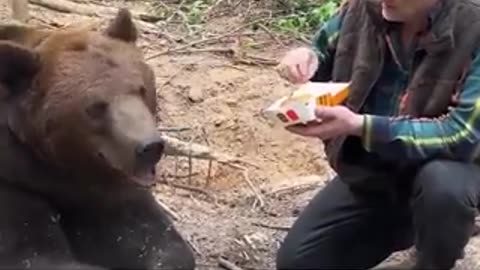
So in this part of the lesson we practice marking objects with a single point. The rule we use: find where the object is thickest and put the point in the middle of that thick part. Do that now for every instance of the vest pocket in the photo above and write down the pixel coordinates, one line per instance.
(346, 46)
(431, 97)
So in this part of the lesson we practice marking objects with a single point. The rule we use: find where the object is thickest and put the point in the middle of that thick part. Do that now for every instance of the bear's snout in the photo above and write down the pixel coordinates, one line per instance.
(150, 151)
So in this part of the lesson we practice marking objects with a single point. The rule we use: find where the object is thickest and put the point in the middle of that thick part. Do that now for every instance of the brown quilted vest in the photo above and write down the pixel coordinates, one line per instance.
(448, 46)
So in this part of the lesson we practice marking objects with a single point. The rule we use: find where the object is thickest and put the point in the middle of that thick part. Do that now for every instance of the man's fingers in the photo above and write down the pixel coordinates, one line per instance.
(298, 73)
(327, 131)
(321, 131)
(302, 70)
(301, 73)
(288, 72)
(311, 66)
(310, 130)
(302, 130)
(325, 113)
(293, 74)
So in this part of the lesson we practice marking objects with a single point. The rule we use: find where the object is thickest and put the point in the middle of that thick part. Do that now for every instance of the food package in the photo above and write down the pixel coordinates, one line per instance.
(299, 106)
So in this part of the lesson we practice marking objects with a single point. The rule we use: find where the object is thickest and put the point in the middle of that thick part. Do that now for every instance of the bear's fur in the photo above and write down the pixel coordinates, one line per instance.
(78, 145)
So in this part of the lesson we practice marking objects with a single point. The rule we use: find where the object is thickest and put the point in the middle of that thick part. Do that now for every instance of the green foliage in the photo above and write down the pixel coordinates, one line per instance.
(194, 11)
(305, 16)
(297, 18)
(190, 12)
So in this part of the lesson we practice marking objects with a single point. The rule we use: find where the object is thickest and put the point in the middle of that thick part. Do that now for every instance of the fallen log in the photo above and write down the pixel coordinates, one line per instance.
(70, 7)
(66, 6)
(19, 10)
(143, 20)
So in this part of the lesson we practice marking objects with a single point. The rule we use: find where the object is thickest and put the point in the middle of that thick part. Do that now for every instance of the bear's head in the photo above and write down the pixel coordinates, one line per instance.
(84, 101)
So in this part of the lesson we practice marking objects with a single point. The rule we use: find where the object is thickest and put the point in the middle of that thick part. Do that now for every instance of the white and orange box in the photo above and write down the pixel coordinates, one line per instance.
(299, 107)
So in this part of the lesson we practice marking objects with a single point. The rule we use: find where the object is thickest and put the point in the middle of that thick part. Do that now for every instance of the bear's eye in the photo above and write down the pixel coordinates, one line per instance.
(97, 109)
(143, 91)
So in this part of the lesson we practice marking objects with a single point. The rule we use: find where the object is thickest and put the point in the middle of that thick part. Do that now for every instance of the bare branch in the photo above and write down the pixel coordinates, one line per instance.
(224, 263)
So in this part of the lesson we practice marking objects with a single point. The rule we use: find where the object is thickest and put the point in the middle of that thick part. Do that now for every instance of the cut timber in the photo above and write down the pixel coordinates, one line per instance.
(19, 10)
(70, 7)
(83, 9)
(143, 20)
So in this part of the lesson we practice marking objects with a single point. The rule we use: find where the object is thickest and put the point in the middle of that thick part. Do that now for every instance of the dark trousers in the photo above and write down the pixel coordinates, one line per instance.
(343, 229)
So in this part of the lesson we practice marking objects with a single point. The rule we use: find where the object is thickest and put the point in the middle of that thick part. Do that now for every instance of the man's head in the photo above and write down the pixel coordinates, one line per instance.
(406, 10)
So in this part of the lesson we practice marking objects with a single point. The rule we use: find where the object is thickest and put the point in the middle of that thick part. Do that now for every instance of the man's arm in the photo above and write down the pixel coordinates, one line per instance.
(324, 44)
(455, 135)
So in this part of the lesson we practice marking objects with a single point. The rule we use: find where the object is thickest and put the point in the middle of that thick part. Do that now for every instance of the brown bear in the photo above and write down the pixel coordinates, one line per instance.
(78, 151)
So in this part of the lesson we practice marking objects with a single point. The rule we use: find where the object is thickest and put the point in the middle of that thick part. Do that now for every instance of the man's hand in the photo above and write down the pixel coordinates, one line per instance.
(299, 65)
(331, 122)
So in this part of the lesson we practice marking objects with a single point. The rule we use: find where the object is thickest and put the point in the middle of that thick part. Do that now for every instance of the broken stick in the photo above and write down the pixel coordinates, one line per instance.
(224, 263)
(189, 188)
(194, 247)
(168, 210)
(174, 146)
(273, 227)
(246, 177)
(173, 129)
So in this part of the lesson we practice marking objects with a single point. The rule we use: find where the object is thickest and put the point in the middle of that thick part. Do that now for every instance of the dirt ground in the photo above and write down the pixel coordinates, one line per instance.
(219, 101)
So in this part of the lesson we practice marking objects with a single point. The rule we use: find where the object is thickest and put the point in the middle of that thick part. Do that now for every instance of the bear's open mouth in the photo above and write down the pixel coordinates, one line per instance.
(144, 177)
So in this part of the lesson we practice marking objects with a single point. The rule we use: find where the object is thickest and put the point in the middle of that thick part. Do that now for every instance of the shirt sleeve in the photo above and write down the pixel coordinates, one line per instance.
(324, 44)
(455, 135)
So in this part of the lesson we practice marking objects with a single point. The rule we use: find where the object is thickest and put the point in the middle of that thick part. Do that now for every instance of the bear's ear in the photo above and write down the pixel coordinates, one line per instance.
(122, 27)
(25, 35)
(18, 66)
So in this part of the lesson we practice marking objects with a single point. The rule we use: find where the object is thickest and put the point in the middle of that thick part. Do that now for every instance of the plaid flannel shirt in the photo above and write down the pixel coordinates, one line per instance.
(454, 135)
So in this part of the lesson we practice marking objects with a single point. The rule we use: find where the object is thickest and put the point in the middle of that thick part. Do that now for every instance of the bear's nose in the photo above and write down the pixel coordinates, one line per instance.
(150, 151)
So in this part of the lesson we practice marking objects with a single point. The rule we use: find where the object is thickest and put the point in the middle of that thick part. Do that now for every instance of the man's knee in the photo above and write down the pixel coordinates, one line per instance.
(437, 185)
(286, 256)
(441, 190)
(297, 252)
(292, 254)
